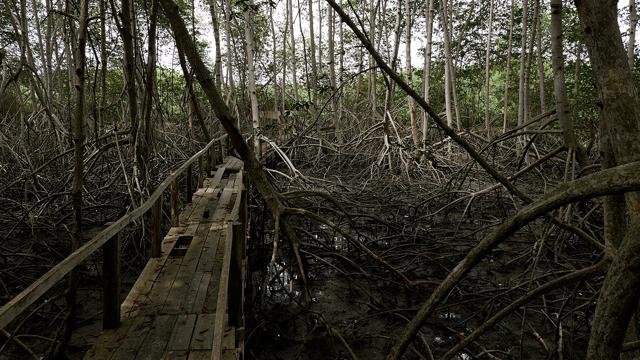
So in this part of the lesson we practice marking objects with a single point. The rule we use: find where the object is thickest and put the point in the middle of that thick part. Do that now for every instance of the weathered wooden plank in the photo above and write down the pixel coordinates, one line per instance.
(135, 337)
(198, 285)
(221, 305)
(108, 342)
(156, 341)
(145, 282)
(203, 332)
(182, 333)
(215, 263)
(199, 355)
(175, 298)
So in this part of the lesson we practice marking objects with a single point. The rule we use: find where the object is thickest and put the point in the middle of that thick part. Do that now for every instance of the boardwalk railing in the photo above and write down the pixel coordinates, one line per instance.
(108, 239)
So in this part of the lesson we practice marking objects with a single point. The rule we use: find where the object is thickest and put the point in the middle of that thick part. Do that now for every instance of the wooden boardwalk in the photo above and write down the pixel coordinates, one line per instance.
(194, 287)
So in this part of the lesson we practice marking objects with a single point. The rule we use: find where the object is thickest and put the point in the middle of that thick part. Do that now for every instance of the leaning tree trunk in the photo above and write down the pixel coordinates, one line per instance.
(619, 133)
(255, 170)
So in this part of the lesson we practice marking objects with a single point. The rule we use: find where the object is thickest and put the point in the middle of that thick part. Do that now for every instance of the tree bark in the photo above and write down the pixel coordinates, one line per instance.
(487, 74)
(559, 86)
(633, 24)
(251, 75)
(619, 131)
(408, 18)
(507, 73)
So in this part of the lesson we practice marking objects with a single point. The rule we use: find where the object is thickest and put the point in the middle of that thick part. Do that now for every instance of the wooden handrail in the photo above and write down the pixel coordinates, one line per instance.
(17, 305)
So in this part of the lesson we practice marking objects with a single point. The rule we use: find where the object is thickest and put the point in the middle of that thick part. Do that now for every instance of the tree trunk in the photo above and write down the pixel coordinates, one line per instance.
(508, 72)
(487, 74)
(447, 67)
(78, 146)
(560, 93)
(372, 64)
(619, 133)
(294, 60)
(217, 68)
(522, 89)
(633, 23)
(427, 72)
(252, 165)
(312, 49)
(129, 71)
(251, 77)
(540, 62)
(408, 17)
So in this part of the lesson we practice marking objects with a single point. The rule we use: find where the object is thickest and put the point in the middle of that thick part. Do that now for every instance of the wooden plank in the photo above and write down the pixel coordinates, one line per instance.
(200, 355)
(108, 342)
(33, 292)
(135, 337)
(198, 285)
(156, 342)
(155, 299)
(203, 332)
(221, 305)
(175, 298)
(182, 333)
(145, 282)
(216, 263)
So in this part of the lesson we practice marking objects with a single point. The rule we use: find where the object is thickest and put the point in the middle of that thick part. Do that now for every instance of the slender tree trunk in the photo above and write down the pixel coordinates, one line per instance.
(217, 68)
(522, 88)
(540, 62)
(505, 110)
(129, 70)
(251, 77)
(294, 60)
(146, 141)
(332, 75)
(103, 62)
(372, 71)
(320, 65)
(487, 74)
(633, 24)
(312, 50)
(447, 67)
(562, 105)
(429, 10)
(409, 72)
(78, 146)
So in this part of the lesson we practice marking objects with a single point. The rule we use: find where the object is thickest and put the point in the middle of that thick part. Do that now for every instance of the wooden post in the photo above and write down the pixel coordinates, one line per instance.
(200, 173)
(155, 228)
(111, 286)
(188, 190)
(175, 217)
